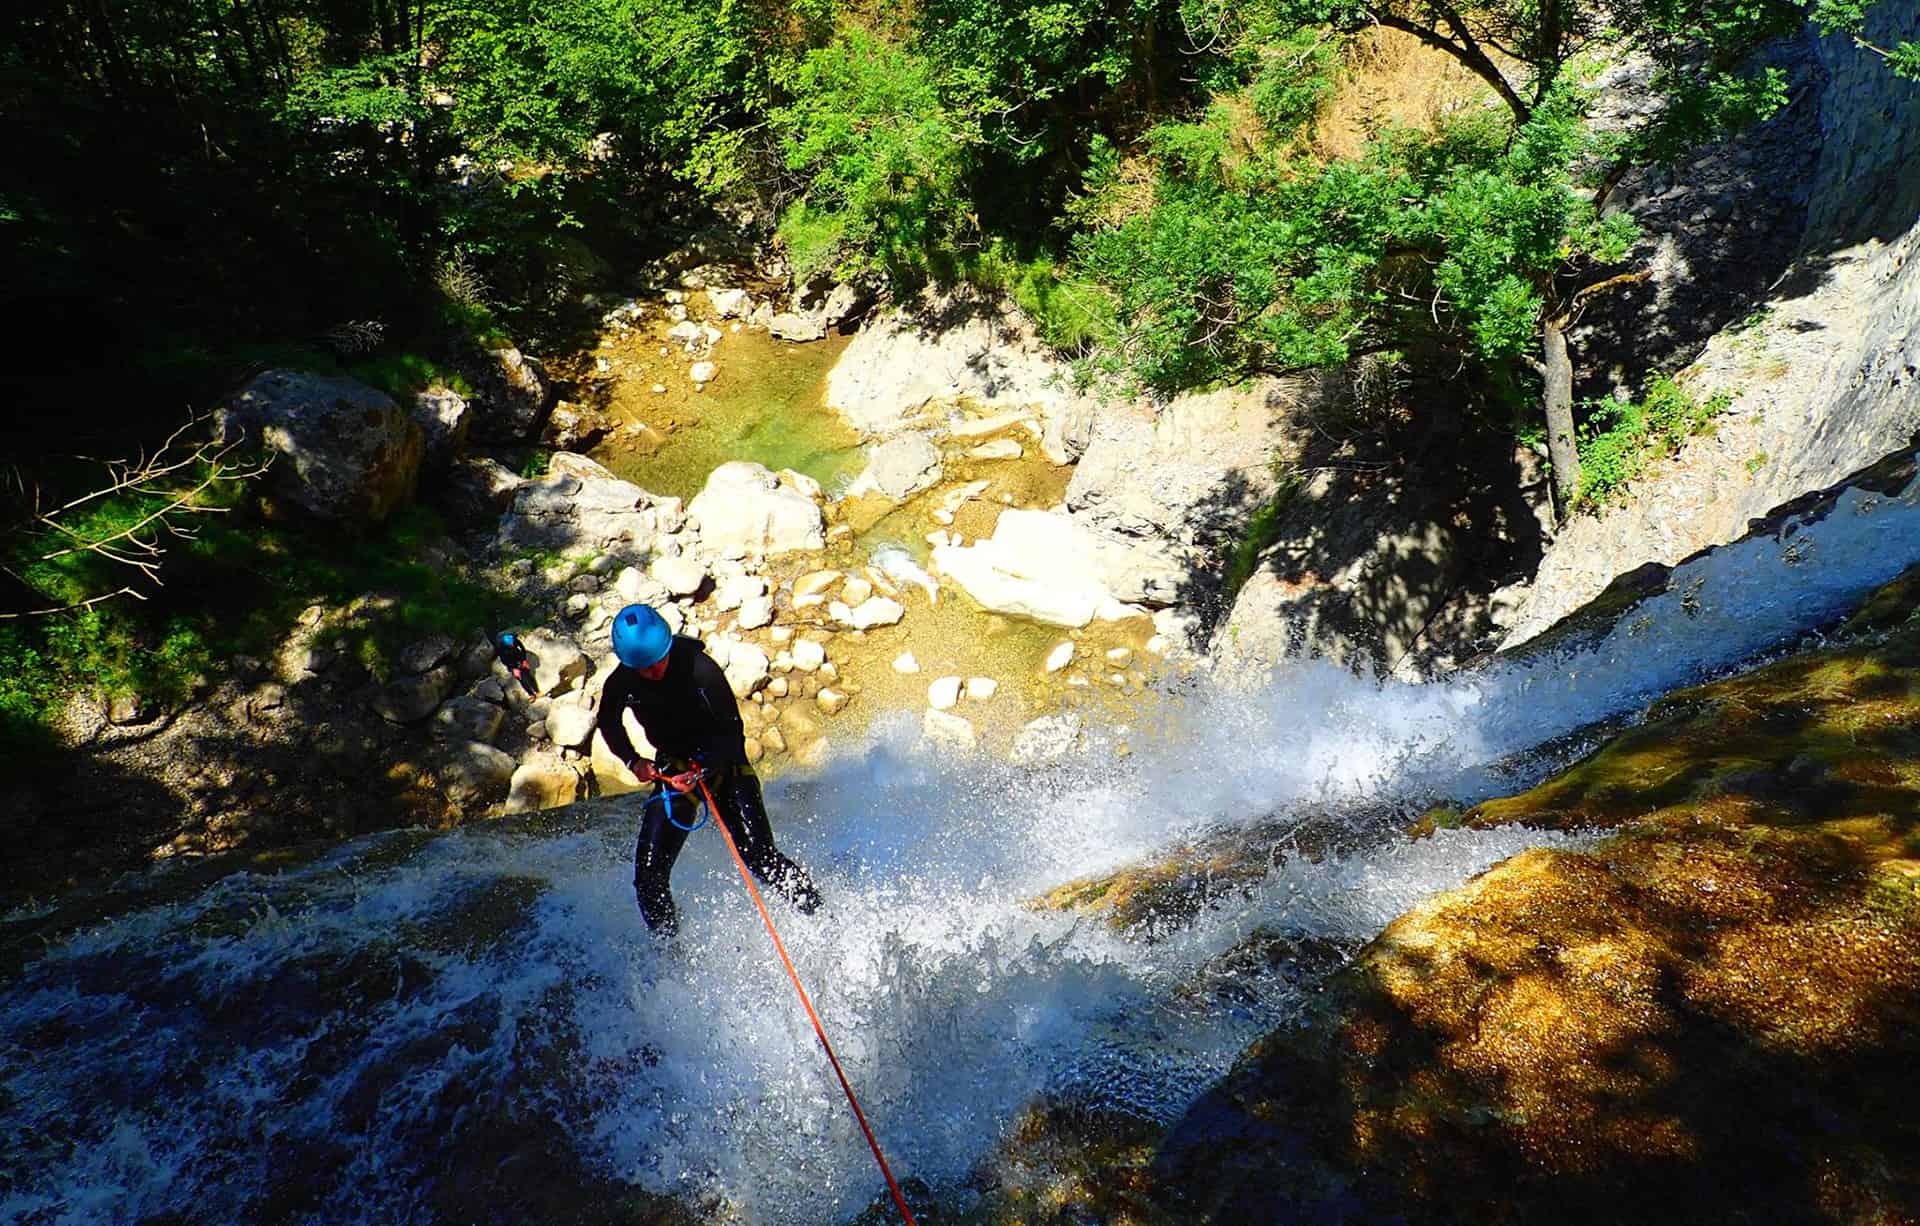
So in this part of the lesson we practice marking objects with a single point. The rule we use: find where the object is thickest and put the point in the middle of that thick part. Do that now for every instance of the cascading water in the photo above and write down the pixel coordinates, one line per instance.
(352, 1039)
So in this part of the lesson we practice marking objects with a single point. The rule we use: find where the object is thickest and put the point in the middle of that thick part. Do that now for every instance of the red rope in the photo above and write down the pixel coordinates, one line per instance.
(852, 1101)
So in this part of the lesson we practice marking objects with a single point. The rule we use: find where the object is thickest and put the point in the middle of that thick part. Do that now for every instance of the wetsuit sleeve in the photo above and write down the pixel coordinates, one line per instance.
(613, 704)
(722, 738)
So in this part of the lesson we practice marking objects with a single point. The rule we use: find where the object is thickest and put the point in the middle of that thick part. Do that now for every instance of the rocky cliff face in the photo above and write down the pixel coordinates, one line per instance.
(1825, 374)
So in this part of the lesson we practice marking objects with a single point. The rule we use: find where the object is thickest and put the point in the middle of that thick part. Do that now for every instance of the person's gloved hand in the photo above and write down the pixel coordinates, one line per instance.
(644, 771)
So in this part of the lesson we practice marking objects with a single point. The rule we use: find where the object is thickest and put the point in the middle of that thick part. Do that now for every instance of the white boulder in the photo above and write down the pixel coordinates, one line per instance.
(745, 507)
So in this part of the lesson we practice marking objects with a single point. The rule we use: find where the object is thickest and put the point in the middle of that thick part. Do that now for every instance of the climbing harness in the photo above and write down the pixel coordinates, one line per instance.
(739, 862)
(665, 794)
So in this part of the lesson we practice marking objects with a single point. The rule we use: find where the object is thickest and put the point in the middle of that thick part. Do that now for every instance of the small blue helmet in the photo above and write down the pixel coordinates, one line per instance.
(641, 636)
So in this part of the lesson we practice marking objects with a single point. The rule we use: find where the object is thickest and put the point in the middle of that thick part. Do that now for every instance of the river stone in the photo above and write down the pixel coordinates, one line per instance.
(543, 783)
(444, 419)
(997, 449)
(426, 654)
(947, 730)
(570, 721)
(901, 467)
(469, 719)
(808, 655)
(612, 778)
(488, 690)
(944, 693)
(511, 395)
(1044, 566)
(682, 576)
(744, 507)
(408, 700)
(981, 688)
(735, 592)
(558, 663)
(730, 303)
(480, 487)
(342, 451)
(747, 668)
(702, 373)
(755, 612)
(815, 582)
(787, 326)
(474, 774)
(799, 725)
(1045, 739)
(580, 506)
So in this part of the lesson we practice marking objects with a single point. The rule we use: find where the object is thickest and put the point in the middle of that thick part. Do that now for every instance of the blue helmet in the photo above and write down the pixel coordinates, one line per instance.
(641, 636)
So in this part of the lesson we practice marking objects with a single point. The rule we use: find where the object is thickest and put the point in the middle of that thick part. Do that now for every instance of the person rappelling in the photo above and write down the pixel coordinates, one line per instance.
(683, 702)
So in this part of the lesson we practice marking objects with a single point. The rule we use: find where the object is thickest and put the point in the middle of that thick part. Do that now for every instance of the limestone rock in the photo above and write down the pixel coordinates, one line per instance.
(408, 700)
(905, 663)
(800, 725)
(787, 326)
(342, 451)
(702, 373)
(480, 487)
(1043, 566)
(900, 467)
(755, 612)
(542, 783)
(735, 592)
(832, 701)
(982, 688)
(570, 721)
(682, 576)
(944, 693)
(558, 663)
(425, 655)
(808, 655)
(997, 449)
(611, 777)
(444, 419)
(579, 505)
(469, 719)
(730, 303)
(855, 590)
(874, 611)
(747, 668)
(978, 351)
(1045, 739)
(1060, 656)
(1211, 456)
(945, 729)
(745, 507)
(475, 774)
(815, 582)
(511, 395)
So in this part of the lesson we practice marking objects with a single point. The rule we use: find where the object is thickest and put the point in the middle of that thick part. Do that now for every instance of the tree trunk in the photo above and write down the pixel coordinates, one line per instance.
(1558, 401)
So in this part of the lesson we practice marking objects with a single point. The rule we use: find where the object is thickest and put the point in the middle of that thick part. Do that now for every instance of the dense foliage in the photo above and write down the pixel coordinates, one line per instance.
(202, 186)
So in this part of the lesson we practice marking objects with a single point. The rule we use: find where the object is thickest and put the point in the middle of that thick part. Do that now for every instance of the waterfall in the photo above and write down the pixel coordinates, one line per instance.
(355, 1038)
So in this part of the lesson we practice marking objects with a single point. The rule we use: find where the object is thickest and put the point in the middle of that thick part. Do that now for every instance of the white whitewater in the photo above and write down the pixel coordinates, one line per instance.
(377, 1009)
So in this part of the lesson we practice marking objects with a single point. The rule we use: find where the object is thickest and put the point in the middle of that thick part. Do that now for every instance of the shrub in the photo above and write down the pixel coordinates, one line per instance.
(1619, 438)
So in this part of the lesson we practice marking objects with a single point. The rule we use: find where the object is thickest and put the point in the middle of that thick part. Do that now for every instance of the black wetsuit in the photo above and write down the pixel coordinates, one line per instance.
(691, 718)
